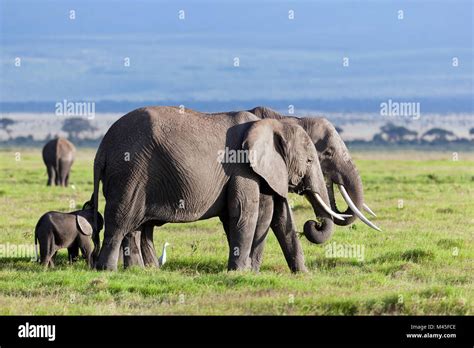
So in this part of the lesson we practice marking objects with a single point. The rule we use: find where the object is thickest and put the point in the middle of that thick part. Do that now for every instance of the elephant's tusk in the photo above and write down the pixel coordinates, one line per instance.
(356, 211)
(328, 209)
(345, 215)
(367, 209)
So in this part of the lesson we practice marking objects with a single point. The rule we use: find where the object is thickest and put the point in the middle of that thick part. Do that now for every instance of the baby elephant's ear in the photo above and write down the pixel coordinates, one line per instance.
(84, 226)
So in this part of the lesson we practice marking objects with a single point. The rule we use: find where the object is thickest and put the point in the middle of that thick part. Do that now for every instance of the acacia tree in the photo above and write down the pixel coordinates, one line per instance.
(5, 124)
(438, 134)
(76, 125)
(394, 134)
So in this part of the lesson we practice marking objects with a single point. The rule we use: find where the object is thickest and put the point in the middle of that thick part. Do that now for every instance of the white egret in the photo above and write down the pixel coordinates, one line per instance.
(162, 259)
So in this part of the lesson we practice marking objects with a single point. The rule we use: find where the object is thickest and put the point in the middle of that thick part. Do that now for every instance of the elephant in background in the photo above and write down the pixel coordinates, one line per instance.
(162, 164)
(58, 156)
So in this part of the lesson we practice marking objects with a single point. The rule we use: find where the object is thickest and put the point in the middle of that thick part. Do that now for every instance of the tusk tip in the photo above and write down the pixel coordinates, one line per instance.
(356, 211)
(367, 209)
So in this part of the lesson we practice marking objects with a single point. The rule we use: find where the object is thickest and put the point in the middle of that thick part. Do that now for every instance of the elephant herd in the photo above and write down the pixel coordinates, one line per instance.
(165, 164)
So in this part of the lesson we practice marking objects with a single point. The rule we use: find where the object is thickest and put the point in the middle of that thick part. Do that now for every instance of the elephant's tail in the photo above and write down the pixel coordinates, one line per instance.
(99, 164)
(36, 245)
(57, 162)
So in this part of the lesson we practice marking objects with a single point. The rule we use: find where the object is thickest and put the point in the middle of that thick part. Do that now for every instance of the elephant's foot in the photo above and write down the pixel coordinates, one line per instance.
(150, 259)
(299, 268)
(131, 250)
(255, 264)
(302, 270)
(108, 257)
(105, 266)
(238, 265)
(255, 269)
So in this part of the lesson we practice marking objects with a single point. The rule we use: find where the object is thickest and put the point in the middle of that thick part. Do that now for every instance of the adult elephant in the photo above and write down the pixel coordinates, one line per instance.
(164, 164)
(337, 166)
(336, 163)
(58, 156)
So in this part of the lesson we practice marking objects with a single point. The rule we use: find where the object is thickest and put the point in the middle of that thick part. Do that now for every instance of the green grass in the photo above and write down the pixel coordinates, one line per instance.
(422, 262)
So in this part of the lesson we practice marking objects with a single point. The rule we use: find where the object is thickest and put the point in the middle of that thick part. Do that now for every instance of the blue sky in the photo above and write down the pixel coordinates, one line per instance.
(192, 59)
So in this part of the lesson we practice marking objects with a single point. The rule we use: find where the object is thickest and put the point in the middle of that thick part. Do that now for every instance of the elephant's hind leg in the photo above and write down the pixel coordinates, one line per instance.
(51, 175)
(86, 250)
(64, 169)
(147, 246)
(47, 249)
(67, 180)
(113, 236)
(132, 255)
(109, 252)
(57, 179)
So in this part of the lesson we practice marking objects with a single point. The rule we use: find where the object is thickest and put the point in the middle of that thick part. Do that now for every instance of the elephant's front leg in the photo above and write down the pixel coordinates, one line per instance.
(243, 200)
(265, 213)
(285, 230)
(86, 249)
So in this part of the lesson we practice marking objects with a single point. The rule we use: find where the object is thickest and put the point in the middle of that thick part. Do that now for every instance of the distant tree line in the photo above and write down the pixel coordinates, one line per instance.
(79, 130)
(398, 134)
(393, 134)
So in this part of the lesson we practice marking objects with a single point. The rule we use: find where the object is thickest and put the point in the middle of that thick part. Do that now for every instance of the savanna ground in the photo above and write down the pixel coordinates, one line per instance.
(422, 262)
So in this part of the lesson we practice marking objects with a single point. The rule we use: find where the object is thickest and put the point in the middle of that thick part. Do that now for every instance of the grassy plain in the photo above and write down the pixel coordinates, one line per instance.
(422, 262)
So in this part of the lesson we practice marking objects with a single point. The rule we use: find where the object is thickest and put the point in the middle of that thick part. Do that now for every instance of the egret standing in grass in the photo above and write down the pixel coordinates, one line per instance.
(162, 259)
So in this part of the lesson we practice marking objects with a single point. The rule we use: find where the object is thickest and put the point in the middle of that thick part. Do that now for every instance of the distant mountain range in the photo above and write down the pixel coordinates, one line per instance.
(441, 105)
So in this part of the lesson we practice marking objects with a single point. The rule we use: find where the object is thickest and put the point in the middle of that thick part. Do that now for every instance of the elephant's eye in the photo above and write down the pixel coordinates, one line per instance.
(309, 161)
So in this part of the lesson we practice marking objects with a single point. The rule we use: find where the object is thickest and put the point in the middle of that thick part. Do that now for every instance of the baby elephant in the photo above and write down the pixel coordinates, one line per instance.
(56, 230)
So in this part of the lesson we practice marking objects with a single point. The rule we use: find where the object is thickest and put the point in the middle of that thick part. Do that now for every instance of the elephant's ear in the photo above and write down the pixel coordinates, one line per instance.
(267, 147)
(84, 226)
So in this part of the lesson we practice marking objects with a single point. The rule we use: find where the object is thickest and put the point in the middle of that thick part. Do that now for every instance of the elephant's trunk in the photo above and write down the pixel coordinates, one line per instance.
(353, 185)
(318, 232)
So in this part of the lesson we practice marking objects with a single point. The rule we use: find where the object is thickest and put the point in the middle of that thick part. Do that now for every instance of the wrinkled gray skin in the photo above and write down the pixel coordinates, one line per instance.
(56, 230)
(160, 165)
(58, 156)
(336, 164)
